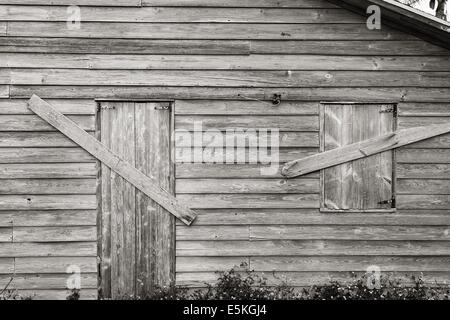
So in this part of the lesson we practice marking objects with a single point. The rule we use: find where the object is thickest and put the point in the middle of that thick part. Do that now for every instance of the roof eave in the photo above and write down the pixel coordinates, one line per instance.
(404, 18)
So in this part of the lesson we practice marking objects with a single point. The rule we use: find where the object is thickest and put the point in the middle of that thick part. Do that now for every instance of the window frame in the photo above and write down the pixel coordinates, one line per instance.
(322, 207)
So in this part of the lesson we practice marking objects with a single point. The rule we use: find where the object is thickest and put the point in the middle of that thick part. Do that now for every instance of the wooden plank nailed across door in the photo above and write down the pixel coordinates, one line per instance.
(144, 183)
(362, 149)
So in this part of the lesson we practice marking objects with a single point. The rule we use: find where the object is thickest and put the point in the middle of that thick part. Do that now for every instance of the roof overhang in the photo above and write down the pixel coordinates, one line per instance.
(404, 18)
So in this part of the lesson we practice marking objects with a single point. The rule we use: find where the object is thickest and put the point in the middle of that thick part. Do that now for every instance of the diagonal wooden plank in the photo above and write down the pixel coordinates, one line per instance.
(99, 151)
(362, 149)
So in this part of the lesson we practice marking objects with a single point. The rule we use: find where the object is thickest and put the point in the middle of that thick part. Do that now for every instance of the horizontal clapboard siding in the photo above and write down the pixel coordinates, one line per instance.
(222, 62)
(383, 94)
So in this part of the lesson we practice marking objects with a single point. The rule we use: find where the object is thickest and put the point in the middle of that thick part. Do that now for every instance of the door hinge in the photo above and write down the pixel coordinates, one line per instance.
(390, 201)
(163, 107)
(103, 107)
(390, 109)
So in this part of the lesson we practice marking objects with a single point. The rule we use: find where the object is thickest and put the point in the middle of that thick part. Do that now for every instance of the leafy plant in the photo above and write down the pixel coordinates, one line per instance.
(244, 284)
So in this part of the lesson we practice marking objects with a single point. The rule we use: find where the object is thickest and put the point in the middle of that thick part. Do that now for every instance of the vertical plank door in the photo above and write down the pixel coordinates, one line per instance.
(360, 185)
(137, 238)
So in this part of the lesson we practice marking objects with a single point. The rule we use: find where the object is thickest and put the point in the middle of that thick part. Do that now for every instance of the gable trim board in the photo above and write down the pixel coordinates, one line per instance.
(404, 18)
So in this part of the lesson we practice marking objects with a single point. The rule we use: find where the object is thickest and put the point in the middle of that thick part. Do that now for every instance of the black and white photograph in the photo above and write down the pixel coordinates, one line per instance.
(199, 152)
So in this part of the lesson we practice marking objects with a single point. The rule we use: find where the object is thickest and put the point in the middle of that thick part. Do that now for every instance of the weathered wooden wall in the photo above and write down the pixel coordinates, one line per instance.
(214, 57)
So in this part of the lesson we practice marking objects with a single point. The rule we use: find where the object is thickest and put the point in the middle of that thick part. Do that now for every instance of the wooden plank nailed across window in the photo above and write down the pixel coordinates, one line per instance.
(362, 149)
(99, 151)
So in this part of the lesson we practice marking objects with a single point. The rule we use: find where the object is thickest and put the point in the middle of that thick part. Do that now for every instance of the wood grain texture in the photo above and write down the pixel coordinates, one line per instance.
(348, 48)
(217, 138)
(58, 294)
(34, 123)
(379, 94)
(47, 155)
(195, 31)
(47, 202)
(48, 281)
(355, 263)
(363, 149)
(228, 78)
(51, 218)
(237, 171)
(54, 264)
(223, 62)
(47, 186)
(75, 249)
(47, 170)
(423, 171)
(423, 186)
(68, 107)
(120, 166)
(181, 14)
(308, 217)
(246, 186)
(126, 46)
(259, 233)
(54, 234)
(6, 265)
(138, 238)
(423, 155)
(282, 123)
(251, 200)
(107, 3)
(311, 247)
(244, 107)
(35, 139)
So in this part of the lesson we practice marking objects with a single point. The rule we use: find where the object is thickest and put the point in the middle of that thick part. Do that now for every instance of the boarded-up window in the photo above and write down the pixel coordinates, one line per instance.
(366, 184)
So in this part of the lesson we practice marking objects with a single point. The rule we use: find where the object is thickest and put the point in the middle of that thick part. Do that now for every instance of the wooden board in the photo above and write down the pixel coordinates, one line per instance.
(309, 217)
(131, 3)
(54, 264)
(138, 229)
(181, 15)
(46, 155)
(355, 263)
(251, 200)
(219, 31)
(47, 186)
(363, 149)
(225, 61)
(120, 166)
(126, 46)
(227, 78)
(54, 234)
(47, 170)
(34, 123)
(311, 247)
(47, 202)
(51, 218)
(379, 94)
(362, 184)
(68, 107)
(258, 233)
(74, 249)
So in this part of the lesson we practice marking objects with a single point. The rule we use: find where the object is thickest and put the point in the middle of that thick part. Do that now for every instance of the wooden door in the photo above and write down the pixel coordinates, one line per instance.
(366, 184)
(137, 238)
